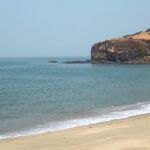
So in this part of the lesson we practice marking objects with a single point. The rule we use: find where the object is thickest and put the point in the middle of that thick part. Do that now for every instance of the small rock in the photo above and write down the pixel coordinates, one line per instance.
(52, 61)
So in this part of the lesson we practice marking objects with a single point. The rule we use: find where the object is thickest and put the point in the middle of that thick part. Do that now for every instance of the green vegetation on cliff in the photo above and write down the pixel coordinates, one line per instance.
(148, 30)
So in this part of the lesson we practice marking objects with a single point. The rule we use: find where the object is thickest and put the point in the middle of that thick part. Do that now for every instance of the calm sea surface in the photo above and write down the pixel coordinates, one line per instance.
(36, 96)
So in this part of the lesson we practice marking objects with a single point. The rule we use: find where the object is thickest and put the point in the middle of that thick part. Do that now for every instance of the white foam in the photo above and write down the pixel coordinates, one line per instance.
(115, 113)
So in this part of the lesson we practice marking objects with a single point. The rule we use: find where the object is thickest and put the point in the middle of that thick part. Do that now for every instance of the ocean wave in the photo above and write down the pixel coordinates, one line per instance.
(107, 114)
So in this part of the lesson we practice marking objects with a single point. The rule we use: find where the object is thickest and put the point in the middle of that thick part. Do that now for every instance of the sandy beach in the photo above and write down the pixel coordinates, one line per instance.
(126, 134)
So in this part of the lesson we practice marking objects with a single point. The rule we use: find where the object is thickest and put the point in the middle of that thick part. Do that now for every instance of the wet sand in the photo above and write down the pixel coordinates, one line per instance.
(125, 134)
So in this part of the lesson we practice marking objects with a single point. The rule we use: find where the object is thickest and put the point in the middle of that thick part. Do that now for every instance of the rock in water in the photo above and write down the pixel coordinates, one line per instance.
(52, 61)
(78, 62)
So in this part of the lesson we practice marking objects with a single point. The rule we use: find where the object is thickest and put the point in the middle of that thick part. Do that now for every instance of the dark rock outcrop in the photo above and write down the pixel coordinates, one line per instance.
(133, 48)
(52, 61)
(77, 62)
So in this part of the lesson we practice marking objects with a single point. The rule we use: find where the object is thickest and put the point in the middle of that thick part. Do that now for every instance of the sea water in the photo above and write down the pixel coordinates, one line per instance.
(37, 96)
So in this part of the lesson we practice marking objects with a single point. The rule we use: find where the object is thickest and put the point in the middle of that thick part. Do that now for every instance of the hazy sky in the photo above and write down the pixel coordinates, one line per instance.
(66, 27)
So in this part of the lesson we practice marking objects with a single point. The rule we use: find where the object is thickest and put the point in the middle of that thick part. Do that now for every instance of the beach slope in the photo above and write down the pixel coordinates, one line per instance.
(126, 134)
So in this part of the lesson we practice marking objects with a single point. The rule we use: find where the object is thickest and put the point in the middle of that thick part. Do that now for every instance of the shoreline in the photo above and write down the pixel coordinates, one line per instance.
(130, 132)
(116, 113)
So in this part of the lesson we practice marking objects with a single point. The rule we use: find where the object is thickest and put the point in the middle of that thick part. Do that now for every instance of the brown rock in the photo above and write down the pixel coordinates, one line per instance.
(133, 48)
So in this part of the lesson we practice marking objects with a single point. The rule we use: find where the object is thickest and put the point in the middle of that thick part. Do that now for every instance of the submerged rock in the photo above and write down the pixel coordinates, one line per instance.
(52, 61)
(78, 62)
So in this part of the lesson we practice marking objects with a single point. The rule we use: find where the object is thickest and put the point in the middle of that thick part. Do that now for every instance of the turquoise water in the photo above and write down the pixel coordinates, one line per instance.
(36, 96)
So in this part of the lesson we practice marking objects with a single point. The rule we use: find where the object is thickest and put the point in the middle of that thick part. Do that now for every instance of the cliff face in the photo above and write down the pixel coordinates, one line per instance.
(128, 49)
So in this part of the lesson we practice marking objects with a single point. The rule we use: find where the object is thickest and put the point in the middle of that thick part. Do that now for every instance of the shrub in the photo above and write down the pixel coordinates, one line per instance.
(142, 53)
(148, 30)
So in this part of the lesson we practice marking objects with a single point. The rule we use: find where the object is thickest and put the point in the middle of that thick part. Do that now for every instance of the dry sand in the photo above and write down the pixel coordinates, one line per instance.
(139, 36)
(142, 35)
(126, 134)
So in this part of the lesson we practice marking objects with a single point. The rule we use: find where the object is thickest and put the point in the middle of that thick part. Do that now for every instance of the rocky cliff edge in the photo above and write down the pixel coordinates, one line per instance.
(133, 48)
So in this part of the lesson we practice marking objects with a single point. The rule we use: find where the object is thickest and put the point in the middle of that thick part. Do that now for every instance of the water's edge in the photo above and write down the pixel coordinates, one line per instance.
(121, 112)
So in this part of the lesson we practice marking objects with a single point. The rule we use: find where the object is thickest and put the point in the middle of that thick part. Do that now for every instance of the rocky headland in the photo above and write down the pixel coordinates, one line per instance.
(133, 48)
